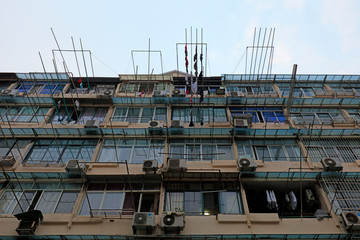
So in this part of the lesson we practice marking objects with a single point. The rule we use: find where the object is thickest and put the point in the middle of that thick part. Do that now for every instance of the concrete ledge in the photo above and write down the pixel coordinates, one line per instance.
(259, 163)
(224, 163)
(232, 218)
(264, 218)
(357, 162)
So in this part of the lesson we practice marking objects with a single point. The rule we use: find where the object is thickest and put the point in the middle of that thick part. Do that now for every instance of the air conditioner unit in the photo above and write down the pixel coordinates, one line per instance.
(172, 221)
(73, 165)
(158, 93)
(106, 93)
(144, 221)
(220, 91)
(331, 164)
(177, 124)
(105, 86)
(92, 124)
(177, 165)
(6, 93)
(178, 93)
(7, 161)
(241, 123)
(309, 195)
(236, 94)
(156, 124)
(150, 165)
(351, 221)
(247, 164)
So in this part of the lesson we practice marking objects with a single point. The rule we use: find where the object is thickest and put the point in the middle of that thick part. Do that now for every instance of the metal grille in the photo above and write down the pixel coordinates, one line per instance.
(343, 192)
(344, 149)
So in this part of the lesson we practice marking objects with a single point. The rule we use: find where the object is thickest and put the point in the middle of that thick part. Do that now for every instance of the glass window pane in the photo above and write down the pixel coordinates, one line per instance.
(208, 153)
(193, 203)
(48, 201)
(225, 152)
(193, 152)
(147, 115)
(229, 203)
(124, 153)
(277, 153)
(95, 203)
(262, 153)
(25, 202)
(8, 202)
(107, 154)
(113, 202)
(140, 154)
(177, 151)
(67, 202)
(174, 201)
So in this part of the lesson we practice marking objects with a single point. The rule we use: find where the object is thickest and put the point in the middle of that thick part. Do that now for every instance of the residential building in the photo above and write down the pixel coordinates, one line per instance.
(137, 157)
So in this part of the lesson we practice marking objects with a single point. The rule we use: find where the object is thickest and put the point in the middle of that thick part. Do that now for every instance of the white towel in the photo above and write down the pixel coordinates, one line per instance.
(293, 200)
(268, 199)
(275, 205)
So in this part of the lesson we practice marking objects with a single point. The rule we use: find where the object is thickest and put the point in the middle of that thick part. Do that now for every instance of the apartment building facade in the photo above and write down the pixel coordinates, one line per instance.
(138, 157)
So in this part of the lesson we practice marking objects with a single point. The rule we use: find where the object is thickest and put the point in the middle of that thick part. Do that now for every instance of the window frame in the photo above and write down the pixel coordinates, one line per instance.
(139, 118)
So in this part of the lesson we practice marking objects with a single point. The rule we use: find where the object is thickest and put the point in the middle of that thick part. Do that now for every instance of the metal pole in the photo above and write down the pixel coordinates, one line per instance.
(290, 98)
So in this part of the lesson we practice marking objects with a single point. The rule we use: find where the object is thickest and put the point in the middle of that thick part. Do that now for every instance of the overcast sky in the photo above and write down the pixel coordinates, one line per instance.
(321, 36)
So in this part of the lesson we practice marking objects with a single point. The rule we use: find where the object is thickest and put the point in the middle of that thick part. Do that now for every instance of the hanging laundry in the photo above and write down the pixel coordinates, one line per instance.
(268, 199)
(274, 202)
(77, 104)
(293, 200)
(194, 87)
(195, 61)
(188, 86)
(193, 84)
(287, 200)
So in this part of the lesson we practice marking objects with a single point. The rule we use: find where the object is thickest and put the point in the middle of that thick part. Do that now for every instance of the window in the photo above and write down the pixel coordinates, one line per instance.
(343, 149)
(131, 150)
(203, 198)
(250, 89)
(316, 115)
(269, 149)
(23, 114)
(348, 90)
(301, 90)
(12, 147)
(120, 199)
(208, 115)
(201, 149)
(343, 192)
(46, 197)
(354, 114)
(147, 87)
(287, 200)
(139, 115)
(64, 115)
(261, 114)
(52, 87)
(50, 151)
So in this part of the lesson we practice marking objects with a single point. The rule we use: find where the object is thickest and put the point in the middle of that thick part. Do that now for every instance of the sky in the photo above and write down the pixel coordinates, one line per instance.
(321, 37)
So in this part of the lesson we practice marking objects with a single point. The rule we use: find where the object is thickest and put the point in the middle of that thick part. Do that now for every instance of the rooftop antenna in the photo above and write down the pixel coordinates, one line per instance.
(82, 52)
